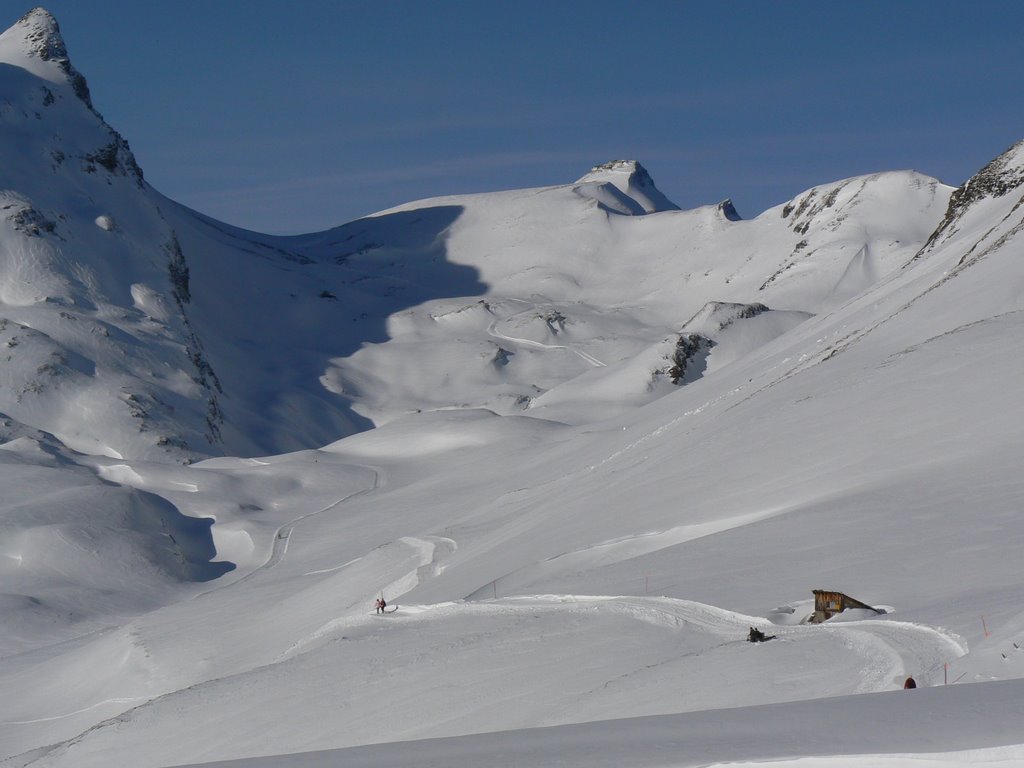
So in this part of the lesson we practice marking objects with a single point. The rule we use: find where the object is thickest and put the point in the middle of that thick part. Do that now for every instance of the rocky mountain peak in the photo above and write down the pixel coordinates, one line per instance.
(629, 167)
(36, 35)
(42, 36)
(54, 102)
(999, 178)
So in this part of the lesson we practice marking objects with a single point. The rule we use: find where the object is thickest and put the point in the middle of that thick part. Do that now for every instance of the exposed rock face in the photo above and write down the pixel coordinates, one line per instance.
(23, 217)
(1001, 177)
(803, 212)
(35, 41)
(205, 376)
(111, 325)
(728, 210)
(701, 333)
(689, 347)
(718, 315)
(42, 40)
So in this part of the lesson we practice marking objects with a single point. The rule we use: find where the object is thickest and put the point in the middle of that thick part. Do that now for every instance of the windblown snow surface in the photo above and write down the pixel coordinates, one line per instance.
(580, 440)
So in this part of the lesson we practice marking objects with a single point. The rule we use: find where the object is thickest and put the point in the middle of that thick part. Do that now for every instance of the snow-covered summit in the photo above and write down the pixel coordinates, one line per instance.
(829, 205)
(40, 35)
(633, 181)
(214, 313)
(34, 43)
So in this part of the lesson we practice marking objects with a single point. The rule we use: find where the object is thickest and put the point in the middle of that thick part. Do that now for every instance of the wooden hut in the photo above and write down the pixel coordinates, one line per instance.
(827, 604)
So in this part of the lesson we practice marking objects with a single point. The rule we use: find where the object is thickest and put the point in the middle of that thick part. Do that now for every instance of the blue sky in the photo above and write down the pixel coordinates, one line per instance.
(294, 117)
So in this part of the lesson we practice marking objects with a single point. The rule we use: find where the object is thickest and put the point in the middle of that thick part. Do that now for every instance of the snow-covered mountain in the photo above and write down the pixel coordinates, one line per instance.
(581, 438)
(137, 328)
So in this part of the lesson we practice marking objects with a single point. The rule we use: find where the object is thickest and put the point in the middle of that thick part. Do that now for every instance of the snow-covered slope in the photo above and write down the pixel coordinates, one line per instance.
(573, 285)
(99, 349)
(137, 328)
(580, 439)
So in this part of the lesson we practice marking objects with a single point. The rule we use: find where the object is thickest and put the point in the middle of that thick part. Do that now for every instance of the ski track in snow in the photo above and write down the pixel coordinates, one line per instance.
(893, 649)
(282, 536)
(493, 331)
(333, 568)
(625, 548)
(428, 549)
(431, 549)
(279, 549)
(887, 650)
(118, 700)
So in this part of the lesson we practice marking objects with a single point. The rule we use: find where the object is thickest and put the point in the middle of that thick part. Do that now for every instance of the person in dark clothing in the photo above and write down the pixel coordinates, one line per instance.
(757, 636)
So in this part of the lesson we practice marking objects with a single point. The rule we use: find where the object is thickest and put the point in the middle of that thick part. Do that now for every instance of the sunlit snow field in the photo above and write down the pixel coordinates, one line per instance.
(580, 441)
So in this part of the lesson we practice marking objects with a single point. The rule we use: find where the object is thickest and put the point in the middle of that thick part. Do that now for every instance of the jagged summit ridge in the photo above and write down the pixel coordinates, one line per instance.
(54, 96)
(42, 35)
(633, 180)
(36, 36)
(1000, 178)
(628, 167)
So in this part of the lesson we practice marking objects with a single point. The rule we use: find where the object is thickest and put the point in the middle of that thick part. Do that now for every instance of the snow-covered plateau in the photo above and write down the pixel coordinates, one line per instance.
(581, 441)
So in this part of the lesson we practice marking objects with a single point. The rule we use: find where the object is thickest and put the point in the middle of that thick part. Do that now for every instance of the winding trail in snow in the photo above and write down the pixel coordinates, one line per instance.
(430, 552)
(883, 650)
(888, 650)
(897, 648)
(282, 536)
(493, 331)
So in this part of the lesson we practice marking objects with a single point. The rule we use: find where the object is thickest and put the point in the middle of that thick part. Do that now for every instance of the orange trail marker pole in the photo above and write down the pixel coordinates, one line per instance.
(983, 626)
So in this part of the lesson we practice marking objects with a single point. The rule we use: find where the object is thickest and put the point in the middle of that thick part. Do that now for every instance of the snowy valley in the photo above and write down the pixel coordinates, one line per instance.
(579, 439)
